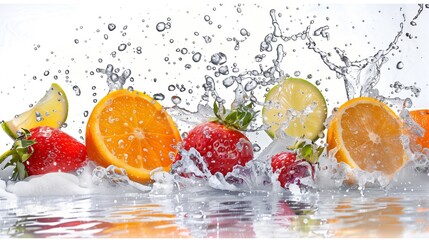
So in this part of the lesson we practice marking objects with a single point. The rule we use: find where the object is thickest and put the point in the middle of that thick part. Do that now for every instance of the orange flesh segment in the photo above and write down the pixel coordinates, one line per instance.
(372, 138)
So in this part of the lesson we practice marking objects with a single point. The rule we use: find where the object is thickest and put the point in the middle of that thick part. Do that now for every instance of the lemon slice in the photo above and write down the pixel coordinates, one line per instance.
(297, 106)
(50, 111)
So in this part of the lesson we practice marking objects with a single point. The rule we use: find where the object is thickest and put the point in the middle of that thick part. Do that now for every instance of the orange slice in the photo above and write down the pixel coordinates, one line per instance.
(365, 134)
(132, 131)
(422, 118)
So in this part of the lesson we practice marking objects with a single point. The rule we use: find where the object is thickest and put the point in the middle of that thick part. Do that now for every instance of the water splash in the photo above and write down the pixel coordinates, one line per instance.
(114, 81)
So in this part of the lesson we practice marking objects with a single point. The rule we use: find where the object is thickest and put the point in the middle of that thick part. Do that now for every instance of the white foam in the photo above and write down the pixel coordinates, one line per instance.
(48, 184)
(81, 182)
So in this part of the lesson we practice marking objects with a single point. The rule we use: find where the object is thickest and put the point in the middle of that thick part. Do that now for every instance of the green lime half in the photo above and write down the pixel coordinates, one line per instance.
(297, 106)
(50, 111)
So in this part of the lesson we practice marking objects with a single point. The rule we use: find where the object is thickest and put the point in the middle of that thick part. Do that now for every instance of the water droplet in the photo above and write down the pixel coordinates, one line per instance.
(258, 58)
(218, 58)
(400, 65)
(244, 32)
(176, 100)
(85, 113)
(297, 73)
(159, 96)
(256, 147)
(122, 47)
(171, 87)
(160, 26)
(196, 57)
(76, 90)
(250, 85)
(106, 36)
(184, 51)
(39, 117)
(227, 82)
(139, 50)
(46, 73)
(111, 26)
(207, 18)
(207, 39)
(408, 103)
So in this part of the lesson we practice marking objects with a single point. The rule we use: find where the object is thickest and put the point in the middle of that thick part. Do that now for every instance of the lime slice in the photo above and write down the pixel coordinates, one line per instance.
(50, 111)
(297, 106)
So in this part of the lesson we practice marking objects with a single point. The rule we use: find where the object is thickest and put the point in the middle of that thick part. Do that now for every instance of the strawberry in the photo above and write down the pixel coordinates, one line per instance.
(296, 164)
(220, 141)
(43, 150)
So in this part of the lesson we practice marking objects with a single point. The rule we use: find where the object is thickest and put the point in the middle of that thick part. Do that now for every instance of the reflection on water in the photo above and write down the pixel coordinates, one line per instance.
(219, 214)
(376, 219)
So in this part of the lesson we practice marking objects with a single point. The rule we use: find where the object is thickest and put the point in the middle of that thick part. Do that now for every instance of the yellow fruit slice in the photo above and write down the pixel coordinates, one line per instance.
(365, 134)
(50, 111)
(132, 131)
(296, 105)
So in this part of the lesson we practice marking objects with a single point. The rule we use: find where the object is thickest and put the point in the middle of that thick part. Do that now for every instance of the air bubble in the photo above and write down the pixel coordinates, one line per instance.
(400, 65)
(46, 73)
(76, 41)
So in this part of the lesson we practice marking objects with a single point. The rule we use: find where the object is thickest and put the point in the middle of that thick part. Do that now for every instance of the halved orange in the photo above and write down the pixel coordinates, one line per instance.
(365, 134)
(131, 130)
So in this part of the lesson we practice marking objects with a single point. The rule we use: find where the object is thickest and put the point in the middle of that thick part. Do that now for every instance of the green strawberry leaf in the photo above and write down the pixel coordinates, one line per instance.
(22, 172)
(308, 151)
(21, 151)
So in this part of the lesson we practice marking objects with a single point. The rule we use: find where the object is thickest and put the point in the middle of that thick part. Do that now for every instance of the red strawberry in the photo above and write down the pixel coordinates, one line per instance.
(291, 169)
(220, 142)
(221, 147)
(44, 149)
(292, 166)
